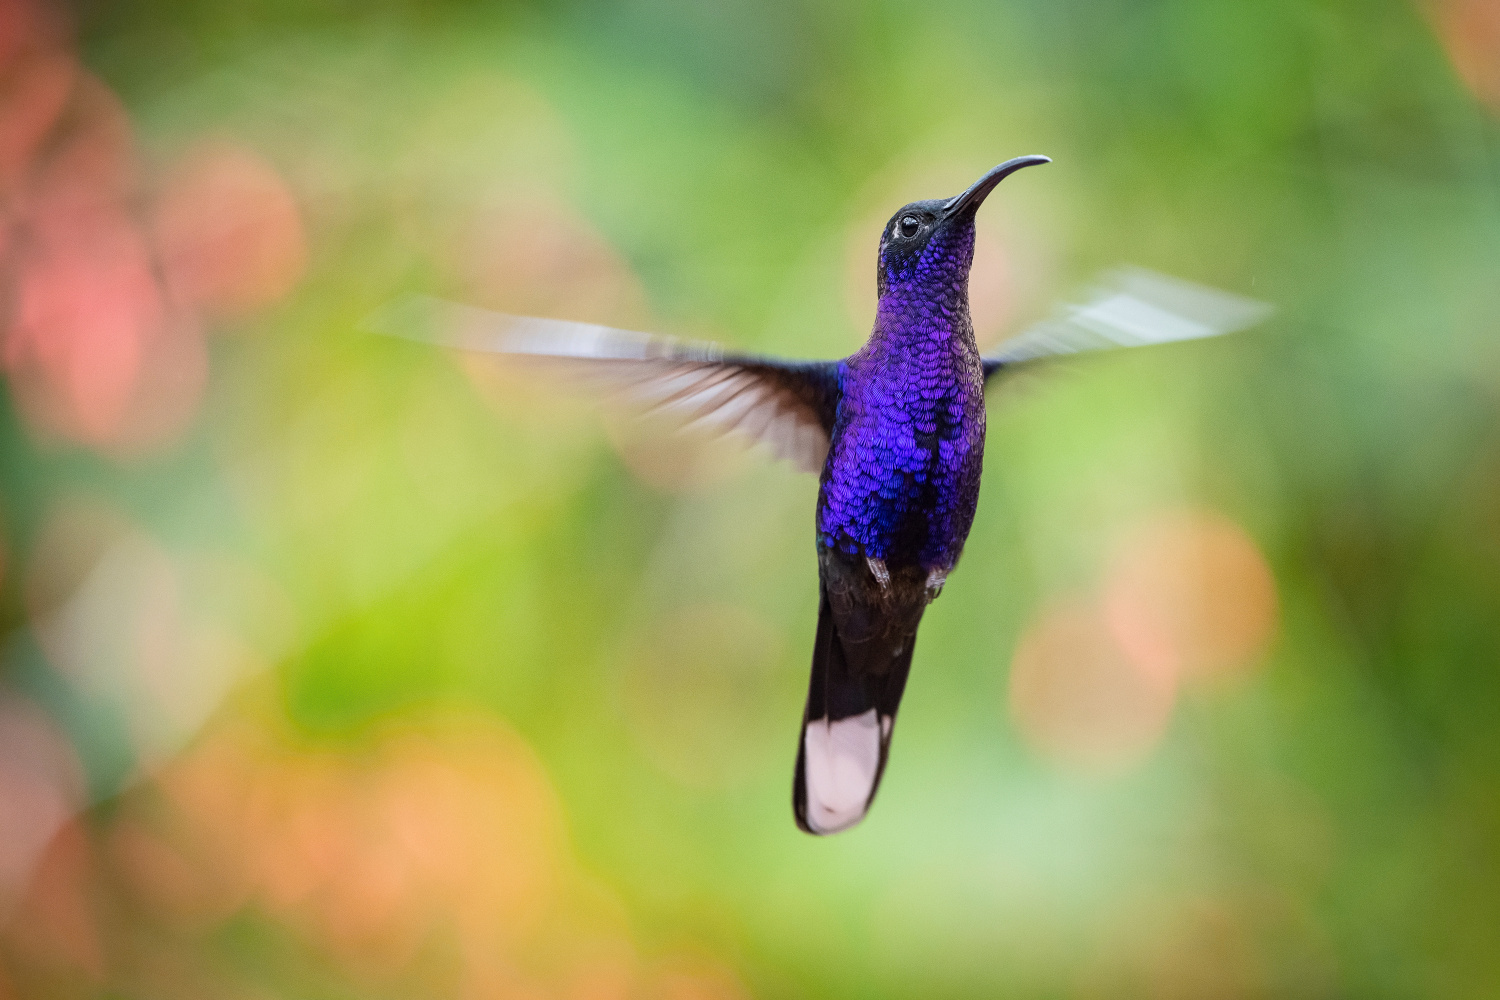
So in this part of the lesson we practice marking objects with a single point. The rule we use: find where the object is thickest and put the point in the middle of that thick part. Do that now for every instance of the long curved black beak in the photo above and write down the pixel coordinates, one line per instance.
(971, 198)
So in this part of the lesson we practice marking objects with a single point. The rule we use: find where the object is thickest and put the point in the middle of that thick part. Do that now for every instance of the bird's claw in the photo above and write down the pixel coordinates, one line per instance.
(935, 580)
(881, 574)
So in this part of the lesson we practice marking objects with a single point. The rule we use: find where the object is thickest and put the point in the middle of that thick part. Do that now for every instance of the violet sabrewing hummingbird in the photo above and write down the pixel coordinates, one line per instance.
(895, 433)
(896, 499)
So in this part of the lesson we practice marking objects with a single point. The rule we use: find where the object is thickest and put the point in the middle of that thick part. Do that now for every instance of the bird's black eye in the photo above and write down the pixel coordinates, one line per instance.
(908, 226)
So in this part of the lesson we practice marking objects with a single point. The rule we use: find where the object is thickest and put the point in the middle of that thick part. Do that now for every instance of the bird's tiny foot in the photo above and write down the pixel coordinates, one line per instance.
(935, 581)
(882, 575)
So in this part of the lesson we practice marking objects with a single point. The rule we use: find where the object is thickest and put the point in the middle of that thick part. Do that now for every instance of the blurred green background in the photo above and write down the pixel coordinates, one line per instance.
(338, 666)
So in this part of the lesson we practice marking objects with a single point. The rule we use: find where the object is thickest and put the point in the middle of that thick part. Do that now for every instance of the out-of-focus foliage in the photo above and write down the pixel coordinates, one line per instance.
(336, 666)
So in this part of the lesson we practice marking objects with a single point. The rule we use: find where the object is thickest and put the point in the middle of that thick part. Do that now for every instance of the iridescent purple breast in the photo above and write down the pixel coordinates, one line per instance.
(902, 476)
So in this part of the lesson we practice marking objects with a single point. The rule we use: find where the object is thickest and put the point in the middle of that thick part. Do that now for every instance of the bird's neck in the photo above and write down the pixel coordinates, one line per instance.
(926, 318)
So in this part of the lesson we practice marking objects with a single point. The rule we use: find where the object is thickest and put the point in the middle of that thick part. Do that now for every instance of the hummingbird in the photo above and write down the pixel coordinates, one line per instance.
(895, 432)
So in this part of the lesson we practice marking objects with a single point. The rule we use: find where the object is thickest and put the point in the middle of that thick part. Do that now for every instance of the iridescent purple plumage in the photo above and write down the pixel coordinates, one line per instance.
(902, 476)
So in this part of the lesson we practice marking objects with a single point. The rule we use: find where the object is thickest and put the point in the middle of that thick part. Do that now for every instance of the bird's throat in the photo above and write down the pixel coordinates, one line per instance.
(918, 321)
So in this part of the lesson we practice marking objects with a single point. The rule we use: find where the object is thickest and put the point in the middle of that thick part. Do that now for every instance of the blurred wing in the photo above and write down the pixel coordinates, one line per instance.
(788, 405)
(1132, 308)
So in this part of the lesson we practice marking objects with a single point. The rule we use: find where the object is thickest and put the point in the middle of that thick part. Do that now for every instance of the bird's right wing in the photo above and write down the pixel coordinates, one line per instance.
(1132, 307)
(788, 405)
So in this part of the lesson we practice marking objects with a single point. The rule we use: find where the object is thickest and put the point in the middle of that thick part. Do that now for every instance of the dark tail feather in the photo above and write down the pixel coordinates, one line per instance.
(846, 727)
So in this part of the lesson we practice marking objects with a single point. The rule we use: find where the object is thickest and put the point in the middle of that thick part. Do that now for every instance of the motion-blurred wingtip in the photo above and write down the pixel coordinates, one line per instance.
(1133, 307)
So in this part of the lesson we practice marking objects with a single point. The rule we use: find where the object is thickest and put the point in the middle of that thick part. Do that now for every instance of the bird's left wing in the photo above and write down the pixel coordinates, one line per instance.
(788, 405)
(1131, 307)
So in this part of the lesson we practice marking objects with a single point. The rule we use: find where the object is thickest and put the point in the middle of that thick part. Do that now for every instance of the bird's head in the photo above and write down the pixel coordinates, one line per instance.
(929, 245)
